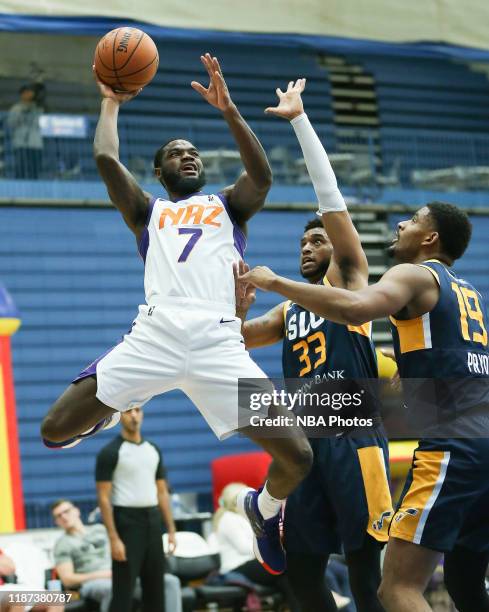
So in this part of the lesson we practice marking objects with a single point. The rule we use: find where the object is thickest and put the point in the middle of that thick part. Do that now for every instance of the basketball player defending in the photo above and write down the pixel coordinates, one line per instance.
(338, 506)
(439, 329)
(187, 335)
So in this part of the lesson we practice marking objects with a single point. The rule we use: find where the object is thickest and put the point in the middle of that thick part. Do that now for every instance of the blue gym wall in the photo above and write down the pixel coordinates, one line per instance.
(77, 279)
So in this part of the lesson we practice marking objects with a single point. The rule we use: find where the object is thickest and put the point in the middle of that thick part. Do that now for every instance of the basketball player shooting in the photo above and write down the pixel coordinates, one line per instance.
(187, 335)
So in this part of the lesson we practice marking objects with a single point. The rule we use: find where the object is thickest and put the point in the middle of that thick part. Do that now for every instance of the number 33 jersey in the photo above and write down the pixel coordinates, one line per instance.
(319, 349)
(188, 248)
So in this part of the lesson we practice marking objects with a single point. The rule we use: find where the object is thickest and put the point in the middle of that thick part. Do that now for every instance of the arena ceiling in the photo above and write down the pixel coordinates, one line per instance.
(443, 21)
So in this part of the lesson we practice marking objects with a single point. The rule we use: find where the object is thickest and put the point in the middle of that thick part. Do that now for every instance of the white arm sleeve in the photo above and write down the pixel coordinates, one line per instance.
(318, 165)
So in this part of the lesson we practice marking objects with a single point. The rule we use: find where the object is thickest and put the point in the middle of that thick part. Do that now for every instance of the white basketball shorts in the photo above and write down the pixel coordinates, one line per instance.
(180, 344)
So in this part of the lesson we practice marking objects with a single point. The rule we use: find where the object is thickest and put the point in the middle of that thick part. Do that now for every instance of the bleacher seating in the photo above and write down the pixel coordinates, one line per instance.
(433, 113)
(169, 107)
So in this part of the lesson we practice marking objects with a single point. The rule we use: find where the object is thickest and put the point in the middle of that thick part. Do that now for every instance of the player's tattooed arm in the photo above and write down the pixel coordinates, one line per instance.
(123, 189)
(348, 267)
(247, 196)
(406, 291)
(260, 331)
(266, 329)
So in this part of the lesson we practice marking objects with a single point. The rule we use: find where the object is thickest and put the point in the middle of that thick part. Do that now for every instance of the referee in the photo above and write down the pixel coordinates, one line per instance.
(133, 498)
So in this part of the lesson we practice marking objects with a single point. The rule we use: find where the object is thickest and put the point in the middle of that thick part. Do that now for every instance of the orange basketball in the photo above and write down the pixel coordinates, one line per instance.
(126, 59)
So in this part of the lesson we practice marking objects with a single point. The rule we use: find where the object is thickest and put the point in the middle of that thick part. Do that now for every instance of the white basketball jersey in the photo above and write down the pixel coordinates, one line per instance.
(189, 247)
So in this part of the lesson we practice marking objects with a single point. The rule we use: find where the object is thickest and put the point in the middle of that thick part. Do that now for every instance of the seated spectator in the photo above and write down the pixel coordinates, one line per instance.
(83, 560)
(235, 542)
(7, 570)
(82, 555)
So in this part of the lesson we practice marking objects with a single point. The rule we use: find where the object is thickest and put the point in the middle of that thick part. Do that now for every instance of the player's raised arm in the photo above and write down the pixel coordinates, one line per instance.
(404, 289)
(348, 267)
(123, 189)
(247, 195)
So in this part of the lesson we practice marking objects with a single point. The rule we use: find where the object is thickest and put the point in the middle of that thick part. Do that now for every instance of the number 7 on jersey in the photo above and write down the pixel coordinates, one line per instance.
(195, 234)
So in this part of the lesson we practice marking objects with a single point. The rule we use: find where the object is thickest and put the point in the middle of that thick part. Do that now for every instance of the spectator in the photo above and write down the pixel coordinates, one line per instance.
(82, 558)
(133, 498)
(82, 555)
(7, 571)
(235, 541)
(26, 138)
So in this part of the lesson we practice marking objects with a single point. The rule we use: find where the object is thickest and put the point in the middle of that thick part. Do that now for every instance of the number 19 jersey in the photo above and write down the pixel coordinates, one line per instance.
(188, 248)
(449, 344)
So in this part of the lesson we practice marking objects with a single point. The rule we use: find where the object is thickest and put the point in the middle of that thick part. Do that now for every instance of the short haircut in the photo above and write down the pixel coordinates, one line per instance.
(453, 226)
(58, 502)
(159, 153)
(312, 224)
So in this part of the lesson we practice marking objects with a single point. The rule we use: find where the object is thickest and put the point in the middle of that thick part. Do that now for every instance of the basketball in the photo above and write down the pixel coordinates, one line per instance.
(126, 59)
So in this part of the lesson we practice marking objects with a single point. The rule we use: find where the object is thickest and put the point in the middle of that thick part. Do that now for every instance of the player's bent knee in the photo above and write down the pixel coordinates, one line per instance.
(301, 458)
(50, 430)
(55, 423)
(390, 592)
(383, 593)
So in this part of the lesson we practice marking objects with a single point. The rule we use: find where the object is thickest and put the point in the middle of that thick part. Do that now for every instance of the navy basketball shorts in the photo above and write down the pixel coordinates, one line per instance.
(445, 500)
(345, 495)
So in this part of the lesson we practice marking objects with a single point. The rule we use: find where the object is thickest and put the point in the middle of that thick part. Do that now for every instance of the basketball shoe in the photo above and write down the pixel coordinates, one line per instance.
(267, 544)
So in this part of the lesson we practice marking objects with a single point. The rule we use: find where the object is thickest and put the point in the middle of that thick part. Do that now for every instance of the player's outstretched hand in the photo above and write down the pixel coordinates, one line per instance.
(245, 293)
(261, 277)
(216, 94)
(108, 92)
(290, 102)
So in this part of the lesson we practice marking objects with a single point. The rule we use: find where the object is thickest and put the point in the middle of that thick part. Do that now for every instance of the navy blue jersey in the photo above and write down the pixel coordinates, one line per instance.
(322, 350)
(448, 344)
